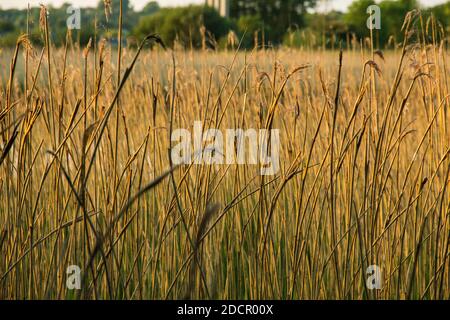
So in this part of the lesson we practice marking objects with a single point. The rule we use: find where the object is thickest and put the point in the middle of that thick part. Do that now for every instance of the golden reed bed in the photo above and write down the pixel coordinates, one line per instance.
(86, 182)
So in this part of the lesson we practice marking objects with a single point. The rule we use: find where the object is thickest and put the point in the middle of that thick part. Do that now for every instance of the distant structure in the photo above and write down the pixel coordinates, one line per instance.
(222, 6)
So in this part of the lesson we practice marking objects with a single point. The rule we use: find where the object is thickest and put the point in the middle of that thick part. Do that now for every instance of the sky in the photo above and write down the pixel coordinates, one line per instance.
(139, 4)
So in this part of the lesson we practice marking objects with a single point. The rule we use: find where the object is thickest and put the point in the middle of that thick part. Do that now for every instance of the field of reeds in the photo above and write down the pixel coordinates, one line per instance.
(86, 176)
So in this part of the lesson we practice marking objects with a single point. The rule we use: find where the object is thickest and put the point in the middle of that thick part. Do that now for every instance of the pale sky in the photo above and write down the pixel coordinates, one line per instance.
(139, 4)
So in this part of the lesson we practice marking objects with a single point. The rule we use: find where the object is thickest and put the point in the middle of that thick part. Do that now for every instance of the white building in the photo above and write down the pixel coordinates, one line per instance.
(222, 6)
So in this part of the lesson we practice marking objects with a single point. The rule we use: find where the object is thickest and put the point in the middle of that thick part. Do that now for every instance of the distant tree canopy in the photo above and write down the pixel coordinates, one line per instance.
(184, 25)
(392, 17)
(13, 22)
(275, 16)
(442, 13)
(150, 8)
(110, 16)
(356, 17)
(289, 22)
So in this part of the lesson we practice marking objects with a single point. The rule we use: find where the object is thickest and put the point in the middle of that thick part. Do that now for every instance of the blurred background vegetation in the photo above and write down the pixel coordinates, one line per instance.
(292, 23)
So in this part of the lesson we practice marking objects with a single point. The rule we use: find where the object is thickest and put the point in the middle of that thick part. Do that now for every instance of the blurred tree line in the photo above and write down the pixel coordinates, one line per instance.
(293, 23)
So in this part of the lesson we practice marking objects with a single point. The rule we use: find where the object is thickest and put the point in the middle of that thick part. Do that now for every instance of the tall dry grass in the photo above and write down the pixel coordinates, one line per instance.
(86, 177)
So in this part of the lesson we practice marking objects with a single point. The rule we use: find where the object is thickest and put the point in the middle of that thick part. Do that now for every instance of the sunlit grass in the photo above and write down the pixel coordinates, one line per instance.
(364, 174)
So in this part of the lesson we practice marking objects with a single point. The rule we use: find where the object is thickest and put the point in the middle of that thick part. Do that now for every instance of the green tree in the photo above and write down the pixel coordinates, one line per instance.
(356, 17)
(111, 23)
(249, 25)
(393, 13)
(276, 16)
(442, 14)
(150, 8)
(392, 18)
(183, 24)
